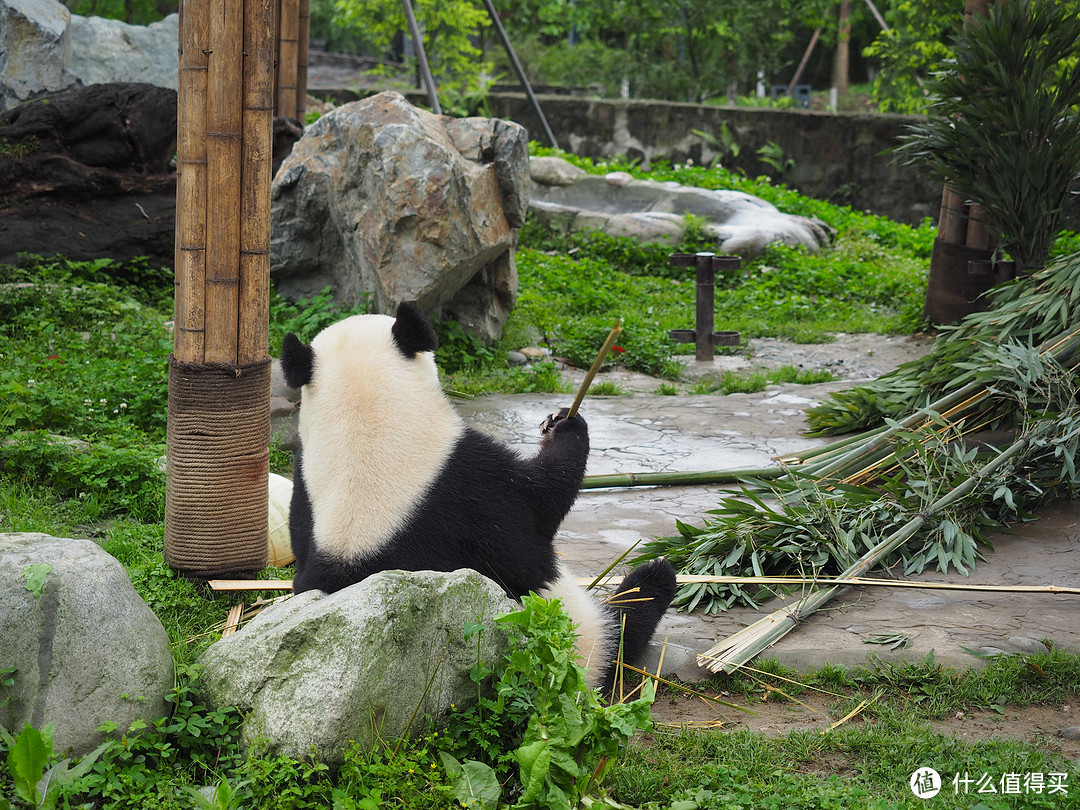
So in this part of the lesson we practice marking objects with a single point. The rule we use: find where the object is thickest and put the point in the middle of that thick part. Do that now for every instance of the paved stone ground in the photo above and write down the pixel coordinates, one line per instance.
(646, 432)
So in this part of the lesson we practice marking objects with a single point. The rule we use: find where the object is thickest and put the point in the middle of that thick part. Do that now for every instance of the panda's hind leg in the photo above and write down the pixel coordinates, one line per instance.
(640, 602)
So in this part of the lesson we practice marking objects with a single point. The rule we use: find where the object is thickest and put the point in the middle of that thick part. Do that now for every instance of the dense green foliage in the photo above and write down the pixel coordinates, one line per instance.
(914, 47)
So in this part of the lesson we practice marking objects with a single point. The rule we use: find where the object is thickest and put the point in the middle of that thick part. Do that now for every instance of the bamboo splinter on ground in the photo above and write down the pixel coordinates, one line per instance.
(219, 372)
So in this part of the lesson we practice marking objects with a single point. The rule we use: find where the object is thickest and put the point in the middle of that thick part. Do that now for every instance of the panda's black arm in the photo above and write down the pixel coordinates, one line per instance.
(558, 470)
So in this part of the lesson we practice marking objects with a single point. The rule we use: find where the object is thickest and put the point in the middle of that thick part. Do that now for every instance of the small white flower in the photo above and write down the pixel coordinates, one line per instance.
(114, 410)
(103, 401)
(31, 382)
(123, 406)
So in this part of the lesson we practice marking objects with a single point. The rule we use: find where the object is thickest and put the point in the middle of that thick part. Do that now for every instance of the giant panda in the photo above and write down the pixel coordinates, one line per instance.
(388, 476)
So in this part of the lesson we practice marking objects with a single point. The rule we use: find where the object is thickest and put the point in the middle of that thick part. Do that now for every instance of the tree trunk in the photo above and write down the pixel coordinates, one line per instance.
(843, 41)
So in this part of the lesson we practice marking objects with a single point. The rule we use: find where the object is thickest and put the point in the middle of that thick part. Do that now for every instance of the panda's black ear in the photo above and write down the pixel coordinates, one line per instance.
(412, 331)
(297, 361)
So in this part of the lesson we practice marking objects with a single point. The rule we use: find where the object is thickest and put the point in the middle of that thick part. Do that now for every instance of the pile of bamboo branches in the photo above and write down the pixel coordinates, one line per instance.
(919, 491)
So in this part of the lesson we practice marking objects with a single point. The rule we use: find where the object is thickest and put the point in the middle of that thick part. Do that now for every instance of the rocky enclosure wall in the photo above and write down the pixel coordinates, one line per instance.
(842, 157)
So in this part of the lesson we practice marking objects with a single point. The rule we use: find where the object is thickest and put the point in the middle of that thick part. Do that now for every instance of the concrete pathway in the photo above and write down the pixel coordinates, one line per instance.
(647, 432)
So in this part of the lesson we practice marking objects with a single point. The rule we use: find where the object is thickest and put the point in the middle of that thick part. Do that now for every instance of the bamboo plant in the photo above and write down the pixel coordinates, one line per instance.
(1004, 124)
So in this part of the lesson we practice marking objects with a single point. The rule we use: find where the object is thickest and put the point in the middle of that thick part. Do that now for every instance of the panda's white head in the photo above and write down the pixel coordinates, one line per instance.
(364, 346)
(375, 425)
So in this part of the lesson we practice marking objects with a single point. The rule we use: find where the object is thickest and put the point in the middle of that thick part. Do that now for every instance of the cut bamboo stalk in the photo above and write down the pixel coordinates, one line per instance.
(952, 224)
(190, 261)
(694, 579)
(223, 154)
(731, 653)
(596, 366)
(288, 57)
(257, 128)
(653, 479)
(232, 620)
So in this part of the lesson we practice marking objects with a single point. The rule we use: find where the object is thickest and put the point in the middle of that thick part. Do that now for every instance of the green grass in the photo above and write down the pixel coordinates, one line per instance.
(875, 752)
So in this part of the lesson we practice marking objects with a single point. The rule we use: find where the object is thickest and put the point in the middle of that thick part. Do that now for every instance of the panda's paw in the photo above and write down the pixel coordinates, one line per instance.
(560, 417)
(549, 423)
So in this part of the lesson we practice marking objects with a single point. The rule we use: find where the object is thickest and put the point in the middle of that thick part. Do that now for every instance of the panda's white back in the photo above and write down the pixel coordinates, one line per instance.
(376, 429)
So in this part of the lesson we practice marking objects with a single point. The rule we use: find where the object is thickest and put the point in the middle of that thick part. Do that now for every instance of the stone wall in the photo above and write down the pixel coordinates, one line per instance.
(842, 158)
(836, 157)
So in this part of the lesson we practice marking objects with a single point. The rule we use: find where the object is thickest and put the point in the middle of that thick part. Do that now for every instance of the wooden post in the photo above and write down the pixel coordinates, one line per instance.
(219, 375)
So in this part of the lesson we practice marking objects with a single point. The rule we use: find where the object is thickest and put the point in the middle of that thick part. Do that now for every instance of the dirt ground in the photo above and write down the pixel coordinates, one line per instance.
(776, 716)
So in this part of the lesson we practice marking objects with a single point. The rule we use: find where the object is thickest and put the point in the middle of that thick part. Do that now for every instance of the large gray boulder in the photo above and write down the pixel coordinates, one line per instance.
(35, 50)
(135, 53)
(384, 199)
(86, 648)
(318, 672)
(568, 199)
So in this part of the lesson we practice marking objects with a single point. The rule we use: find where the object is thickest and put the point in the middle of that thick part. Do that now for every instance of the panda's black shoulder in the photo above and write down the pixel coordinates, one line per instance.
(474, 447)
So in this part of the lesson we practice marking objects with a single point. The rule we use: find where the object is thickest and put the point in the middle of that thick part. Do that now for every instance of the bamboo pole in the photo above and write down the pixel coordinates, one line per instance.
(234, 585)
(219, 374)
(302, 60)
(288, 57)
(190, 262)
(655, 479)
(224, 142)
(257, 126)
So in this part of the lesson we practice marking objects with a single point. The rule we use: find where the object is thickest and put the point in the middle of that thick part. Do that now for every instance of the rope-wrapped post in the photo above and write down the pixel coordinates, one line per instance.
(217, 466)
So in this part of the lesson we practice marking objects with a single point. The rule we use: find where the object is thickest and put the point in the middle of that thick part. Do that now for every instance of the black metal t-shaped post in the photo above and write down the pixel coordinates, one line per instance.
(703, 336)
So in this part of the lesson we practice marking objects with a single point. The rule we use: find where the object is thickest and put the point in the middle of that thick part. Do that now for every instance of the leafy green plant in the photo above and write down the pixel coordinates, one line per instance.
(724, 144)
(771, 154)
(459, 350)
(38, 783)
(606, 388)
(223, 796)
(1004, 124)
(543, 718)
